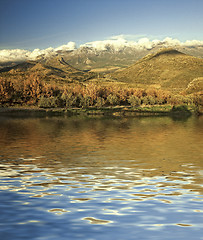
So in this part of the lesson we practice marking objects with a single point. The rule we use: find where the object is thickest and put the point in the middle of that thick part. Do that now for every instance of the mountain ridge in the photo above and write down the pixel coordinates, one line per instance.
(53, 69)
(88, 57)
(167, 69)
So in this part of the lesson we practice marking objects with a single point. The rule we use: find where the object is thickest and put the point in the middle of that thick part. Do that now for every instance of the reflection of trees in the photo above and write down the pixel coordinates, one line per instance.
(131, 148)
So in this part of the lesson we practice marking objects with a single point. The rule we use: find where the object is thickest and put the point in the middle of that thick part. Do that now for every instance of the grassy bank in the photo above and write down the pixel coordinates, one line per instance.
(166, 110)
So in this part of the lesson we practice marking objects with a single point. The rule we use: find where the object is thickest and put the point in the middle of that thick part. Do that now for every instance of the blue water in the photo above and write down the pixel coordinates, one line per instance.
(85, 178)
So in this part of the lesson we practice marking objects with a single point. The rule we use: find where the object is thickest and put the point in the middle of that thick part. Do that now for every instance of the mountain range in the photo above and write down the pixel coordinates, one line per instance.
(89, 58)
(101, 56)
(166, 68)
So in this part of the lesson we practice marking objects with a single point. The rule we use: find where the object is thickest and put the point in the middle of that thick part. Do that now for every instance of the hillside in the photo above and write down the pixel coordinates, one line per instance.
(89, 58)
(54, 69)
(167, 69)
(108, 58)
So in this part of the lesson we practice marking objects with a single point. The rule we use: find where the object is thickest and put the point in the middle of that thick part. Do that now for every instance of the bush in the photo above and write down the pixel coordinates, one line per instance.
(151, 100)
(7, 92)
(160, 101)
(50, 102)
(69, 100)
(176, 99)
(100, 102)
(85, 101)
(148, 100)
(189, 100)
(180, 108)
(134, 101)
(113, 100)
(198, 99)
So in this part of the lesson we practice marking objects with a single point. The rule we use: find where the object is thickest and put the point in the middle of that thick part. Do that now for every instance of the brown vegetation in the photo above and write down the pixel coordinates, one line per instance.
(53, 70)
(33, 91)
(54, 83)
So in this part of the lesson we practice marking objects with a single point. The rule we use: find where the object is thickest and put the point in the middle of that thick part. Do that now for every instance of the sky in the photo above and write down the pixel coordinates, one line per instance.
(31, 24)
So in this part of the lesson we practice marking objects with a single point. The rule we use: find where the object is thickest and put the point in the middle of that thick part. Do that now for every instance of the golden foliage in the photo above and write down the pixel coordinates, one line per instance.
(31, 90)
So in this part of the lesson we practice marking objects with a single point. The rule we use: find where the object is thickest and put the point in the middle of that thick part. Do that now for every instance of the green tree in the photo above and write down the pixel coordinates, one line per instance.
(113, 100)
(134, 101)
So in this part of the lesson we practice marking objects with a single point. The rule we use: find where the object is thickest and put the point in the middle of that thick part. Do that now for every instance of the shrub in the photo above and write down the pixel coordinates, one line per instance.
(32, 89)
(148, 100)
(113, 100)
(151, 100)
(161, 101)
(134, 101)
(69, 100)
(7, 91)
(85, 101)
(180, 108)
(176, 99)
(100, 102)
(198, 99)
(50, 102)
(189, 100)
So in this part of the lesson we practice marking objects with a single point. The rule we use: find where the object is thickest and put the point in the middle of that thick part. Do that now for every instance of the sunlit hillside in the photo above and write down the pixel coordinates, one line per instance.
(54, 70)
(167, 69)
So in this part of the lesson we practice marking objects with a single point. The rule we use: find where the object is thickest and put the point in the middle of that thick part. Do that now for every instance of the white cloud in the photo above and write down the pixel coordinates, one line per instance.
(144, 43)
(45, 52)
(188, 43)
(191, 43)
(13, 55)
(171, 42)
(68, 47)
(115, 43)
(119, 42)
(9, 55)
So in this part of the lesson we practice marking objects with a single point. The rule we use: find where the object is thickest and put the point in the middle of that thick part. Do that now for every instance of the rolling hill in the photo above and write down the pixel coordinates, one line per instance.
(53, 69)
(166, 69)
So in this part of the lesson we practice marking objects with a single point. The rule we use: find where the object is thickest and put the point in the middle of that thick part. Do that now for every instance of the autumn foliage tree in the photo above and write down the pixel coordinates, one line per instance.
(33, 90)
(7, 91)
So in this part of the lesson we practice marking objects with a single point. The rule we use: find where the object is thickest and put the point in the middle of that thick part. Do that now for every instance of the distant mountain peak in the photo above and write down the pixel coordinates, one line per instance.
(171, 51)
(163, 52)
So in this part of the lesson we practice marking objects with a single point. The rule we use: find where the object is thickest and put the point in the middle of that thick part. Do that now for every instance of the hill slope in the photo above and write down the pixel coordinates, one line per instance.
(167, 69)
(89, 58)
(53, 69)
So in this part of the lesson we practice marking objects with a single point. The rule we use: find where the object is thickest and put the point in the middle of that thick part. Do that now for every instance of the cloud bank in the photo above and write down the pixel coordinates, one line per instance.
(119, 42)
(12, 55)
(115, 43)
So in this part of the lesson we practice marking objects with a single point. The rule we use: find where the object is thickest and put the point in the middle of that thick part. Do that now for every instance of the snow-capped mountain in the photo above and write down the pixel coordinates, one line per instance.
(109, 54)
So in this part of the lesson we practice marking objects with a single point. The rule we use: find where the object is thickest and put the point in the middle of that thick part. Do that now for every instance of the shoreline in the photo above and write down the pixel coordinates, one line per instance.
(105, 111)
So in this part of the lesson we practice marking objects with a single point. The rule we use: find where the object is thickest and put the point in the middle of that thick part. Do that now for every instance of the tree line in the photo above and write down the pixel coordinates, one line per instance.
(32, 90)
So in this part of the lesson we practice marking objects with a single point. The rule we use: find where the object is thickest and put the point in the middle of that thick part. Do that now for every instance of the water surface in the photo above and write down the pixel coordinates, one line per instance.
(101, 178)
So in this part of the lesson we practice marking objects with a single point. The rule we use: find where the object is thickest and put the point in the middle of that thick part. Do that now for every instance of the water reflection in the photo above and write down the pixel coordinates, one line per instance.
(101, 178)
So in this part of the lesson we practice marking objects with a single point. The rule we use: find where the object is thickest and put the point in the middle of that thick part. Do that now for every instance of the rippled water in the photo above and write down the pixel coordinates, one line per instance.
(101, 178)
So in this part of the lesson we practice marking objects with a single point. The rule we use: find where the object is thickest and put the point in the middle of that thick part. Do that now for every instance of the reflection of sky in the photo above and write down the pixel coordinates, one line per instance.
(74, 197)
(95, 193)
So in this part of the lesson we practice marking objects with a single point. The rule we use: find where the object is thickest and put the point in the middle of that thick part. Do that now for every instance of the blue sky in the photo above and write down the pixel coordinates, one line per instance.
(30, 24)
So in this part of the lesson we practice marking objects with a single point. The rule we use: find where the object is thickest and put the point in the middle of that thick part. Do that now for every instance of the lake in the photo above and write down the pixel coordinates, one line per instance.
(101, 178)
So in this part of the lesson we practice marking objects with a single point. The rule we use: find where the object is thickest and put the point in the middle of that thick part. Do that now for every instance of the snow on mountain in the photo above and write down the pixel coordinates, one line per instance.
(117, 45)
